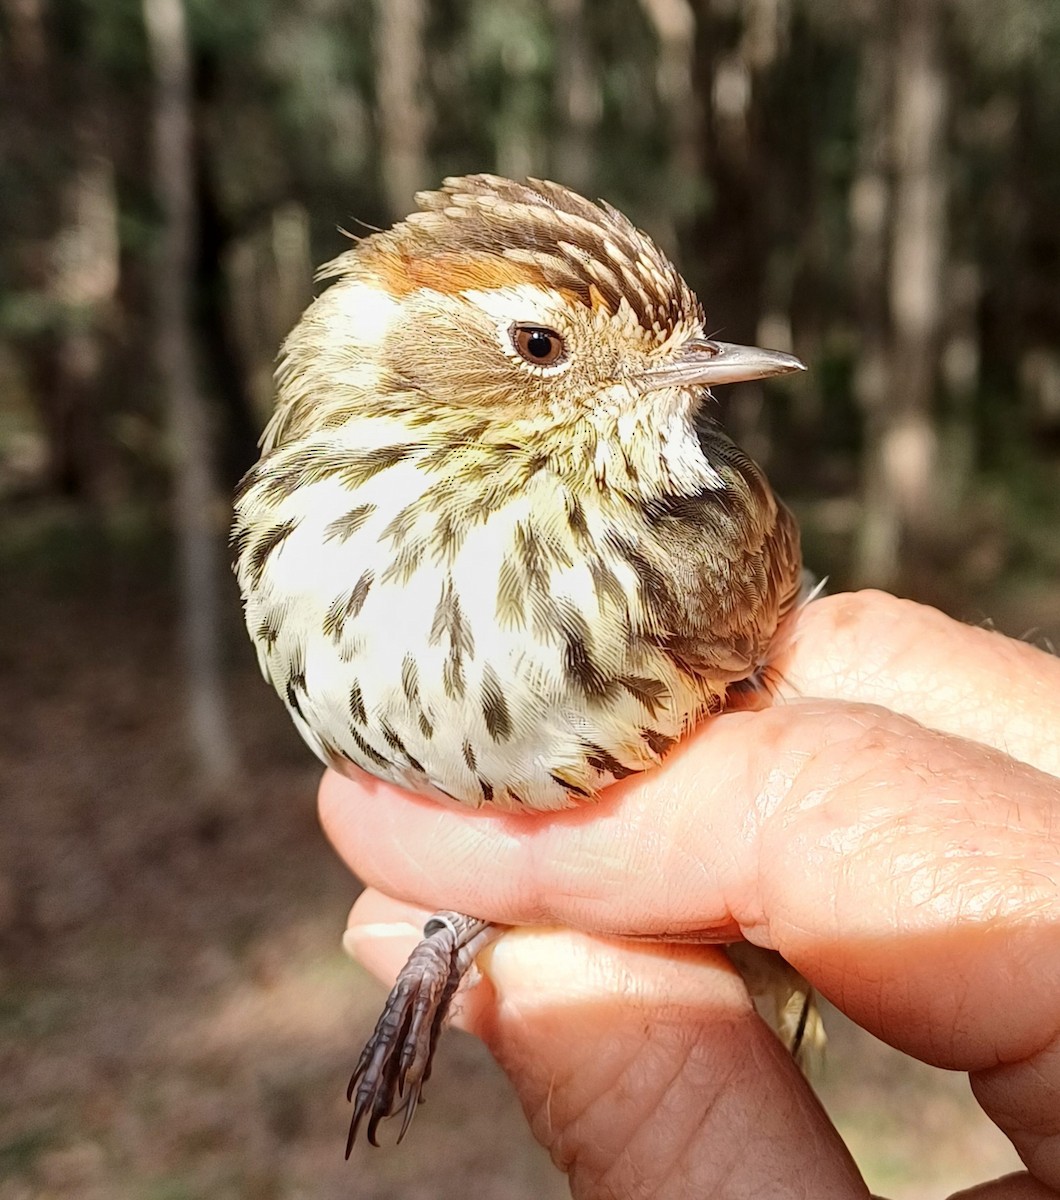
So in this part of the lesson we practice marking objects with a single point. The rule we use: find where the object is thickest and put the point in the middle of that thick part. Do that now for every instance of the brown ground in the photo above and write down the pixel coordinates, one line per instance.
(177, 1020)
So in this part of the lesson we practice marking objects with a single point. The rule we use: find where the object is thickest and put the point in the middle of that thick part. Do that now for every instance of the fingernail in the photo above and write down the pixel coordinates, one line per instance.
(377, 931)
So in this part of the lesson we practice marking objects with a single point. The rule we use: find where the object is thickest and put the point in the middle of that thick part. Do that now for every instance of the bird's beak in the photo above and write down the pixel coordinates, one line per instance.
(702, 362)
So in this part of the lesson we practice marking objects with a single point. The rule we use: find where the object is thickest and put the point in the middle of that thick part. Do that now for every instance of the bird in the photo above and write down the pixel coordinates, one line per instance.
(497, 549)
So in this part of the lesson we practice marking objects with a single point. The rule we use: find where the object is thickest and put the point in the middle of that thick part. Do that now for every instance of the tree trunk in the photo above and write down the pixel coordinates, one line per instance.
(674, 22)
(902, 452)
(65, 235)
(871, 199)
(731, 238)
(960, 374)
(680, 195)
(195, 498)
(84, 282)
(577, 97)
(402, 114)
(919, 250)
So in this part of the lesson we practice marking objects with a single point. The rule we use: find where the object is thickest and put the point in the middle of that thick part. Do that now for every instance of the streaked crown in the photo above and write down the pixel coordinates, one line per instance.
(482, 231)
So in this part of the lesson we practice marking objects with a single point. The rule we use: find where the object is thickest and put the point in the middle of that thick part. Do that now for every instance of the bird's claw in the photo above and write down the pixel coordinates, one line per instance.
(396, 1061)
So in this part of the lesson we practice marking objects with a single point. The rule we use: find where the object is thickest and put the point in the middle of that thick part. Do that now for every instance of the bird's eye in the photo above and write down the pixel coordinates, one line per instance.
(541, 347)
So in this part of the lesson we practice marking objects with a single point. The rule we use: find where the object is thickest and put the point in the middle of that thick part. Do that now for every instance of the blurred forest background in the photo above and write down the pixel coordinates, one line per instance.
(873, 184)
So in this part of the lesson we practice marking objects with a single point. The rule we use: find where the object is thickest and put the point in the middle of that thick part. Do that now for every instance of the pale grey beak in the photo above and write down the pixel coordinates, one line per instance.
(702, 362)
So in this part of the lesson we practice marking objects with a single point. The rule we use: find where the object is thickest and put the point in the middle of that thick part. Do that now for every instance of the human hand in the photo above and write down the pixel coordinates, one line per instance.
(896, 837)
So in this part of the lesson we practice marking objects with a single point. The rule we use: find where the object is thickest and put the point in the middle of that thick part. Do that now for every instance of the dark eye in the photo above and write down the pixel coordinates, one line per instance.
(542, 347)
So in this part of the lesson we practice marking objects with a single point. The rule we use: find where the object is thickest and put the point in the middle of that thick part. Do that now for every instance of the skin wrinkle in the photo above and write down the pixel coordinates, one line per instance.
(678, 883)
(547, 1111)
(701, 1056)
(1020, 966)
(801, 1105)
(679, 865)
(560, 887)
(969, 882)
(629, 1065)
(494, 1024)
(1000, 901)
(762, 1044)
(644, 1118)
(478, 851)
(602, 1095)
(840, 751)
(943, 1040)
(1045, 1125)
(697, 1131)
(773, 830)
(1003, 1093)
(645, 987)
(850, 630)
(541, 864)
(559, 1081)
(763, 1059)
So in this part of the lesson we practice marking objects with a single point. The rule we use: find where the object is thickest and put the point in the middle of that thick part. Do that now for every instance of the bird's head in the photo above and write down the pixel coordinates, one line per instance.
(521, 302)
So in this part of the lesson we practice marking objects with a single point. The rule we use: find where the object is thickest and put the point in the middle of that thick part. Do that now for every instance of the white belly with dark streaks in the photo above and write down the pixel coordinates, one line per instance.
(423, 683)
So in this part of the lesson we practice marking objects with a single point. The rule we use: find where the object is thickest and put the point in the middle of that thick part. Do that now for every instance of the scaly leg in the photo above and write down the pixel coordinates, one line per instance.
(396, 1062)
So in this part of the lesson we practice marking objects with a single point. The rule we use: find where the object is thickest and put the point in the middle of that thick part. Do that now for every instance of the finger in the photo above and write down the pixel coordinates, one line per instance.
(1012, 1187)
(910, 875)
(1023, 1099)
(873, 648)
(643, 1069)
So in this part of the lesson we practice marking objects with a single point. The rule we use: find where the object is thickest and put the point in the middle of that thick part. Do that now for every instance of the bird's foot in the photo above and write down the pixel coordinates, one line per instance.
(396, 1062)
